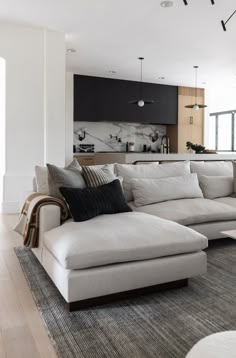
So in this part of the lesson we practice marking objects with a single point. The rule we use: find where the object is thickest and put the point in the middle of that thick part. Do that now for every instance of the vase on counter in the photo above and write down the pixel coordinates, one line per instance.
(131, 146)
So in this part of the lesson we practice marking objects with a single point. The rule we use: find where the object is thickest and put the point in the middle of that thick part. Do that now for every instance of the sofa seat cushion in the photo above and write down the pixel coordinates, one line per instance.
(228, 200)
(190, 211)
(125, 237)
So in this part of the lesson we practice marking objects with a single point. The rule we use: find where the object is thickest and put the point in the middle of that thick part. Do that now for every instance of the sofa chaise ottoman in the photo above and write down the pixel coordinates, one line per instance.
(113, 256)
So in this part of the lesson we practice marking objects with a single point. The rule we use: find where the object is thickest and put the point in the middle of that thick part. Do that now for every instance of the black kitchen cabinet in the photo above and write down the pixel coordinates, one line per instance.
(99, 99)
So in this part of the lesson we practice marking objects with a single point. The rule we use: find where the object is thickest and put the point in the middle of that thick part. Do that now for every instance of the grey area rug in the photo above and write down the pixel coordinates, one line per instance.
(163, 325)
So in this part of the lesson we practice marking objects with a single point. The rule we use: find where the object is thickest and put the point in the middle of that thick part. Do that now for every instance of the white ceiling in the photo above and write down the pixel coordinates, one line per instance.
(111, 34)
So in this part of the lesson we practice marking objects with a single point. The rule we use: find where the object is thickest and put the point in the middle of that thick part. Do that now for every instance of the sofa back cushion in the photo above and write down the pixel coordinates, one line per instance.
(212, 168)
(151, 171)
(150, 191)
(216, 186)
(41, 179)
(34, 185)
(234, 174)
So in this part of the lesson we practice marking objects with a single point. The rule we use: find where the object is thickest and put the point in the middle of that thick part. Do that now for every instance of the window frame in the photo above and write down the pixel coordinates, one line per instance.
(233, 118)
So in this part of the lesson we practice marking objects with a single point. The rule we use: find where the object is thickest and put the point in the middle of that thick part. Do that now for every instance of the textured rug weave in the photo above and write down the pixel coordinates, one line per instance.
(162, 325)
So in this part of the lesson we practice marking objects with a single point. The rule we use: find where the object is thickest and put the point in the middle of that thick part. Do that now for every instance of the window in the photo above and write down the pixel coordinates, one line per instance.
(222, 134)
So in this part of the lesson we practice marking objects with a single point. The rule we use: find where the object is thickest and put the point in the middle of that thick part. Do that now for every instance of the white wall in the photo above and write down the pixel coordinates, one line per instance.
(221, 99)
(35, 106)
(55, 77)
(2, 123)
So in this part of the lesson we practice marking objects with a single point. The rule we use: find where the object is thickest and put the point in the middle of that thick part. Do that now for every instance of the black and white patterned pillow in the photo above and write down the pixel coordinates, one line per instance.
(98, 176)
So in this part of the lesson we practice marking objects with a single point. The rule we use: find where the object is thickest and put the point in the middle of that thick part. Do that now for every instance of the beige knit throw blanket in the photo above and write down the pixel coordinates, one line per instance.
(28, 222)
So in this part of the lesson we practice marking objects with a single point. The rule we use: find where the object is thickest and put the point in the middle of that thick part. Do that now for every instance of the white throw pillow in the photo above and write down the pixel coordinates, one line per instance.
(150, 191)
(41, 177)
(151, 171)
(212, 168)
(216, 186)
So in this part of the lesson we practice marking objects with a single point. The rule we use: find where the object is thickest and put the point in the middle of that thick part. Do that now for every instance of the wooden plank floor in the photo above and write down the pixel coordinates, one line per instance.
(22, 331)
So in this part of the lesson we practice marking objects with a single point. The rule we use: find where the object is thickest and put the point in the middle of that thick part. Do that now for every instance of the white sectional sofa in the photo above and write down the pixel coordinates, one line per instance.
(155, 246)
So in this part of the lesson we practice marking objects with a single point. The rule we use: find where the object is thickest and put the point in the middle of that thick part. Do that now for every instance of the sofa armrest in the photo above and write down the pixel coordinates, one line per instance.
(50, 218)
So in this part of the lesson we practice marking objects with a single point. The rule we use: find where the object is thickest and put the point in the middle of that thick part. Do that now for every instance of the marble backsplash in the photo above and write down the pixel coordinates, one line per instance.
(98, 133)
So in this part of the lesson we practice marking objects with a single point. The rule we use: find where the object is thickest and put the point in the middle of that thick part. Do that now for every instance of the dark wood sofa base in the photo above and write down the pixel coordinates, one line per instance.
(97, 301)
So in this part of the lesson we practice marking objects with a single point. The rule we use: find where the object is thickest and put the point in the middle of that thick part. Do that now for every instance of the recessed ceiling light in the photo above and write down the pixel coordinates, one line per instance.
(161, 78)
(167, 3)
(71, 50)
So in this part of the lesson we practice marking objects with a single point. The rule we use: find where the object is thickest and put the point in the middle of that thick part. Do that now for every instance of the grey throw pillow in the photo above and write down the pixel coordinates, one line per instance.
(69, 177)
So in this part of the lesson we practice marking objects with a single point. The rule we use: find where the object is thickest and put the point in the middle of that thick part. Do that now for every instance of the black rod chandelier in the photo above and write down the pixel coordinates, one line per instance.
(223, 23)
(186, 2)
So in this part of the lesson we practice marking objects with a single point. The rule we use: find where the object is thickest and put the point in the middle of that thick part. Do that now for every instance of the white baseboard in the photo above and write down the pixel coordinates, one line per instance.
(10, 208)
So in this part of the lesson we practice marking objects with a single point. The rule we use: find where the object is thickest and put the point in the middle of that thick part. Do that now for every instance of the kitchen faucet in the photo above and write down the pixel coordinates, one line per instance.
(165, 144)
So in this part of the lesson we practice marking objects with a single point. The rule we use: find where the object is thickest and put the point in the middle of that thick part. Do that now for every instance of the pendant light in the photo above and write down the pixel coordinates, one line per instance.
(196, 106)
(141, 101)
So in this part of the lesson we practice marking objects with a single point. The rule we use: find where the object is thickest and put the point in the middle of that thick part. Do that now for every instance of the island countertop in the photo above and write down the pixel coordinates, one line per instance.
(130, 158)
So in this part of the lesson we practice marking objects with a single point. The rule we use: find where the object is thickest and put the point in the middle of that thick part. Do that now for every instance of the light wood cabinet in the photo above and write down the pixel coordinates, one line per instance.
(190, 125)
(85, 160)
